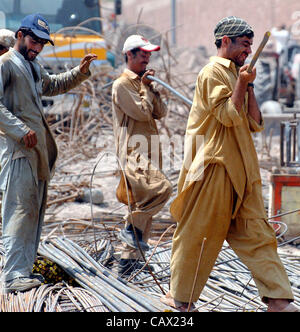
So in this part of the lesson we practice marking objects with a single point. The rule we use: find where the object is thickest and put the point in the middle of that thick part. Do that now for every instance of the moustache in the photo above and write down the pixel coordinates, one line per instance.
(35, 52)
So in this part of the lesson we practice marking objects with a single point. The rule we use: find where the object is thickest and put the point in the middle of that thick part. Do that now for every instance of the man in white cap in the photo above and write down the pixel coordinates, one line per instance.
(136, 105)
(7, 40)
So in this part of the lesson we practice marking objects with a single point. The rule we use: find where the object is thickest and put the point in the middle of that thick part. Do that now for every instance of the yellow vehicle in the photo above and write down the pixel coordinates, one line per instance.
(75, 26)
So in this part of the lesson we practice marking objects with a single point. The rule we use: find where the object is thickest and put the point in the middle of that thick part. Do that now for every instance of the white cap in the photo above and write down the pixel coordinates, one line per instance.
(7, 38)
(137, 41)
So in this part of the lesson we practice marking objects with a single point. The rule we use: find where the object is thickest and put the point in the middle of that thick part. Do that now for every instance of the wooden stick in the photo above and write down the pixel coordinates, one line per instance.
(259, 50)
(62, 199)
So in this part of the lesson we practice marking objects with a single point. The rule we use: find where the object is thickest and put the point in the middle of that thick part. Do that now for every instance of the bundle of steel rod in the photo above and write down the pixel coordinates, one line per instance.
(230, 286)
(114, 293)
(52, 298)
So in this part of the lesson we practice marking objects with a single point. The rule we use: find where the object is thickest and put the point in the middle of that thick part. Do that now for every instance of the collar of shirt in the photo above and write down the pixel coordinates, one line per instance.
(131, 74)
(19, 55)
(226, 63)
(26, 63)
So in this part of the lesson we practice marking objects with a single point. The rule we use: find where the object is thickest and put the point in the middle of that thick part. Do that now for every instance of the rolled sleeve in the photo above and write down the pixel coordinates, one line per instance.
(254, 126)
(229, 116)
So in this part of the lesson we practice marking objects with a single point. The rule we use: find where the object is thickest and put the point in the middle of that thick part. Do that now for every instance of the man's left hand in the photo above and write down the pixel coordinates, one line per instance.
(145, 80)
(85, 62)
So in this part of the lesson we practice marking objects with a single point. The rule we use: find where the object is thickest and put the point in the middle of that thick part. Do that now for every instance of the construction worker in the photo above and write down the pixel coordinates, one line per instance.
(27, 148)
(136, 106)
(220, 191)
(7, 40)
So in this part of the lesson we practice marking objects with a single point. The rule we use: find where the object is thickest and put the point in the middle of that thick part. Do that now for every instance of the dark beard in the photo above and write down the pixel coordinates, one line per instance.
(24, 51)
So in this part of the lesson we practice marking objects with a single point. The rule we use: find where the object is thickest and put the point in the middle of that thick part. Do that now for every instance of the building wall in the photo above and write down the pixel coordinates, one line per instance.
(196, 19)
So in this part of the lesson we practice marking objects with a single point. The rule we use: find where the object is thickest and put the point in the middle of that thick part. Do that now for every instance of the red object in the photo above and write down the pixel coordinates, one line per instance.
(278, 182)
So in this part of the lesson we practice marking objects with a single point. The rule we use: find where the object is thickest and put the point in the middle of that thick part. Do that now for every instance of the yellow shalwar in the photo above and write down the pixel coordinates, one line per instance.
(219, 193)
(135, 108)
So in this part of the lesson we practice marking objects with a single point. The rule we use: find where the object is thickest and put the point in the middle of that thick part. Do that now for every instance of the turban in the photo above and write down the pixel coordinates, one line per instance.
(7, 38)
(232, 27)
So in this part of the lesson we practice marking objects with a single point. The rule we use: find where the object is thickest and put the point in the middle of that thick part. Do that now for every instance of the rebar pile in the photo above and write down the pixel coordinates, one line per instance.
(111, 293)
(230, 287)
(52, 298)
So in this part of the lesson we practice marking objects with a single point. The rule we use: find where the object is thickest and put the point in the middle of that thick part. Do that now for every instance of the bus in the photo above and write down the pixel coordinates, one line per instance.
(75, 27)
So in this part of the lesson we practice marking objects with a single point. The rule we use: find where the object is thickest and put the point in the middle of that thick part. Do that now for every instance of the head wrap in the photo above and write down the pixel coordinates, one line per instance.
(232, 26)
(7, 38)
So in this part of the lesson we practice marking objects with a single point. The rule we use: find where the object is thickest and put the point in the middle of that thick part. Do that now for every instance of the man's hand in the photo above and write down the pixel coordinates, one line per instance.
(246, 77)
(145, 80)
(30, 139)
(85, 62)
(239, 92)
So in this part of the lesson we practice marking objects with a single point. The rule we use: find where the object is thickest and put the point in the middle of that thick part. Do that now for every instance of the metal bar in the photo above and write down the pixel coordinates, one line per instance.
(282, 131)
(284, 214)
(173, 20)
(288, 143)
(298, 139)
(294, 135)
(167, 86)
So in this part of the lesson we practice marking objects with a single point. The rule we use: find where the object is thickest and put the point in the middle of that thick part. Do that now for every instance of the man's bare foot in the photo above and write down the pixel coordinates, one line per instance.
(180, 306)
(276, 305)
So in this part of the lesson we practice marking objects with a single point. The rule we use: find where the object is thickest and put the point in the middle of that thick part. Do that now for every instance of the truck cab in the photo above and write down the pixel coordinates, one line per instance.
(75, 27)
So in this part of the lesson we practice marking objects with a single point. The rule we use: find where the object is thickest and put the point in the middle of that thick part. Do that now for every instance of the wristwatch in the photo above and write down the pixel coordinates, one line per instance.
(251, 85)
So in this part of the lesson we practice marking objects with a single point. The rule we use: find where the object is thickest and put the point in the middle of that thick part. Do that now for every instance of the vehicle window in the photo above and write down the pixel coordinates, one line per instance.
(49, 9)
(59, 13)
(42, 7)
(6, 6)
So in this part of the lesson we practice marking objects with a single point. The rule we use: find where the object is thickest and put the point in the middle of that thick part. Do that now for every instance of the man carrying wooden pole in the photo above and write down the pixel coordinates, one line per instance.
(220, 195)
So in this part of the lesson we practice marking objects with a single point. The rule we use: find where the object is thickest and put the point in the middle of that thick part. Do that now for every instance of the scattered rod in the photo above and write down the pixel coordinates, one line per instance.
(167, 86)
(196, 275)
(289, 241)
(284, 214)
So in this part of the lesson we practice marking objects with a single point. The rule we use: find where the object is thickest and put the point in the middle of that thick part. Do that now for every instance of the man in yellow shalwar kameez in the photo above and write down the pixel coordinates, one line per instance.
(136, 107)
(220, 191)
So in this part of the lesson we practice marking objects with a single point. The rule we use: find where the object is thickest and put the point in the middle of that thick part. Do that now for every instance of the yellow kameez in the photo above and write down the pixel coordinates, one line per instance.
(135, 108)
(219, 193)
